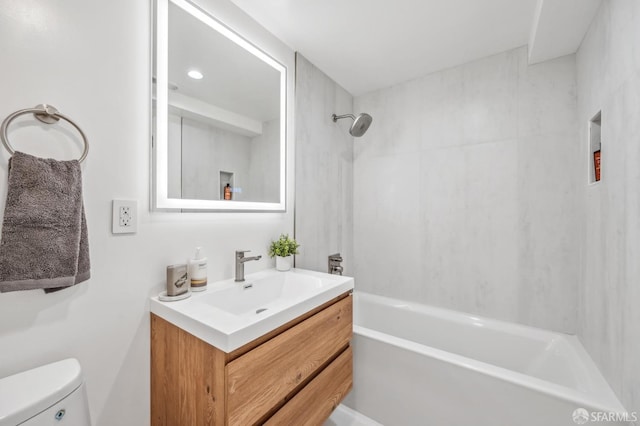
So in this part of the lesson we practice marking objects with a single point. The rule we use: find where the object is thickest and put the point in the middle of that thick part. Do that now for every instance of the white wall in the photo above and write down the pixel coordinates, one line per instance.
(464, 190)
(324, 171)
(91, 59)
(264, 163)
(198, 152)
(174, 156)
(608, 69)
(207, 150)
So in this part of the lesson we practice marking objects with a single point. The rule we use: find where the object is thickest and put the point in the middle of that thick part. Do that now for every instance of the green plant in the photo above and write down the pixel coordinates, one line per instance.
(283, 246)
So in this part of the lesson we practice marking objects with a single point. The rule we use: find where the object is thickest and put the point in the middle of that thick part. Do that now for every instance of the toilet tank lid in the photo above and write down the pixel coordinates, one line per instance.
(28, 393)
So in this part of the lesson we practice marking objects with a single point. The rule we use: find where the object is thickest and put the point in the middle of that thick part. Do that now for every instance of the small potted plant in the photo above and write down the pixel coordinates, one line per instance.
(283, 250)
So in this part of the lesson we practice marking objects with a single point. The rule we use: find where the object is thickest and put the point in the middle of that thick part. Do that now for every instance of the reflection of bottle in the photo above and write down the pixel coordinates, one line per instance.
(227, 192)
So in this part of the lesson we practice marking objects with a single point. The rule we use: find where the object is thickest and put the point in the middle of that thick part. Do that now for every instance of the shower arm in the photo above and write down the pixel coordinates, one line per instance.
(338, 117)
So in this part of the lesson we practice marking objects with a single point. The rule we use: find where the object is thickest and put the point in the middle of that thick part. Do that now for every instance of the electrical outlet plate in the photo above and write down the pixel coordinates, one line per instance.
(124, 217)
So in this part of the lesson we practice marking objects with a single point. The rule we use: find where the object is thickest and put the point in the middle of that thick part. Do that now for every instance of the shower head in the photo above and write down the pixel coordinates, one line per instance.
(360, 123)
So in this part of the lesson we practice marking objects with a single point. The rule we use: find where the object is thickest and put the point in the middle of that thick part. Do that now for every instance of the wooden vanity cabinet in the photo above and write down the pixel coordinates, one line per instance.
(296, 374)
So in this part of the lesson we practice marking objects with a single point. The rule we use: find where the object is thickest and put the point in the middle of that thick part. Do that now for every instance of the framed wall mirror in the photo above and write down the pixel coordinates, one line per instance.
(219, 116)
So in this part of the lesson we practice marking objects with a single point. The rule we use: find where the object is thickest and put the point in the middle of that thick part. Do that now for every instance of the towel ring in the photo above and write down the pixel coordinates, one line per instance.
(47, 114)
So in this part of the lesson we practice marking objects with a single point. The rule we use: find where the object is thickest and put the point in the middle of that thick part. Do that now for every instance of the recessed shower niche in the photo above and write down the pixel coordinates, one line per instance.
(226, 185)
(595, 145)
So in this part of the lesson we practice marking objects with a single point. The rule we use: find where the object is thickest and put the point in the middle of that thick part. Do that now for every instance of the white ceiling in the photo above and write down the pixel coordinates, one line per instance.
(365, 45)
(234, 79)
(550, 37)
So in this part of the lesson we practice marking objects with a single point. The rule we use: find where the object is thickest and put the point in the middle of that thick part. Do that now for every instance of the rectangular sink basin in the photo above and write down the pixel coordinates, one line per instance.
(229, 314)
(255, 296)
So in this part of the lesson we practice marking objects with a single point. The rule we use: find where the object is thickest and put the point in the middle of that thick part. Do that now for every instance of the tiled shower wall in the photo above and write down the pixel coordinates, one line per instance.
(608, 69)
(324, 170)
(465, 191)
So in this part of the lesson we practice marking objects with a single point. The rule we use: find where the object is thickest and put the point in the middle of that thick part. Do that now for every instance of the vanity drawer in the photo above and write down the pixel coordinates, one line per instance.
(315, 402)
(263, 378)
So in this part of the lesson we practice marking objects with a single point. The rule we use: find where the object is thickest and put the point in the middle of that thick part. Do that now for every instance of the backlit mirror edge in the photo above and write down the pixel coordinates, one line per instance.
(160, 200)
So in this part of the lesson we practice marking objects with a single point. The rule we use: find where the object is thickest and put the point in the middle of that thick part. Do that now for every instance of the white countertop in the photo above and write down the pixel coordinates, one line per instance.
(224, 315)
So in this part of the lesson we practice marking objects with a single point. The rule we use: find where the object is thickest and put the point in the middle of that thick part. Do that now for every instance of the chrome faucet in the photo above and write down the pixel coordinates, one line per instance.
(240, 261)
(335, 266)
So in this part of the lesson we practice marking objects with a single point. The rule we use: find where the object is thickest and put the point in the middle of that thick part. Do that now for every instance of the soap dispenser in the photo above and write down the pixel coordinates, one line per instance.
(198, 271)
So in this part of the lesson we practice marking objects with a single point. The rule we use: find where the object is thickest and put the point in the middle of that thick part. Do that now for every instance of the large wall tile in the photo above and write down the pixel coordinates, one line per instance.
(469, 237)
(487, 205)
(608, 76)
(549, 262)
(324, 170)
(387, 226)
(547, 97)
(490, 97)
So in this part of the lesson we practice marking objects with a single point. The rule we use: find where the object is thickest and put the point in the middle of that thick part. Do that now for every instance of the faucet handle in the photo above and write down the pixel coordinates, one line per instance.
(334, 264)
(241, 253)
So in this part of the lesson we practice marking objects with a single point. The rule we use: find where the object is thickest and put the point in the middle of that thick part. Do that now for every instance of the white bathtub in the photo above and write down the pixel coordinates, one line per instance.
(421, 365)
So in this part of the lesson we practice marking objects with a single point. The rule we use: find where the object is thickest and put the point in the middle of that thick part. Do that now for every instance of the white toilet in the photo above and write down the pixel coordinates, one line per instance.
(51, 395)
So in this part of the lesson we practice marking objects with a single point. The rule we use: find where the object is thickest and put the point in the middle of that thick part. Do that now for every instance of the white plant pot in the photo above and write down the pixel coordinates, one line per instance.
(284, 263)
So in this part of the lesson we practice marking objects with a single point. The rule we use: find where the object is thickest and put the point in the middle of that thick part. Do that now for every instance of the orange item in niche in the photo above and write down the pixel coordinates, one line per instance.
(596, 164)
(227, 192)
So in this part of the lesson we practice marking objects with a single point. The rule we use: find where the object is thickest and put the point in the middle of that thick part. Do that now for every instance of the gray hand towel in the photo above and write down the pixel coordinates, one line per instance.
(44, 232)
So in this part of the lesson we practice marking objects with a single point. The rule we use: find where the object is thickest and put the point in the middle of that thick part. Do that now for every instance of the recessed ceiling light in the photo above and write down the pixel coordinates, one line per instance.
(195, 74)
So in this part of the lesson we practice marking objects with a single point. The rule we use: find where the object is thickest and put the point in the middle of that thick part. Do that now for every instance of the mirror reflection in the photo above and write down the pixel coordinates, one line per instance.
(224, 116)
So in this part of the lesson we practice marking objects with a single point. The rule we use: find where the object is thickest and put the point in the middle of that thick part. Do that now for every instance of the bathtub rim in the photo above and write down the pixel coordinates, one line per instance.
(602, 399)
